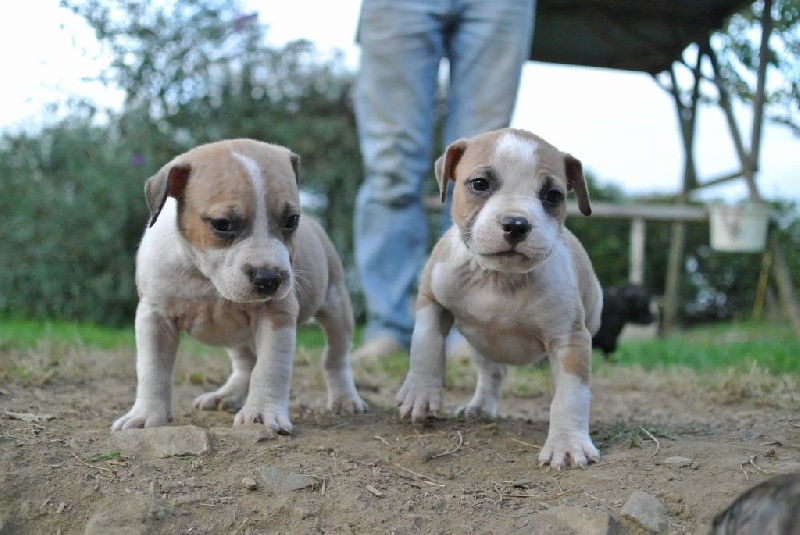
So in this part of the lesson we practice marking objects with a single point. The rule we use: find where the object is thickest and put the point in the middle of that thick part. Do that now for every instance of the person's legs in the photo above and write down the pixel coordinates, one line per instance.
(487, 50)
(401, 46)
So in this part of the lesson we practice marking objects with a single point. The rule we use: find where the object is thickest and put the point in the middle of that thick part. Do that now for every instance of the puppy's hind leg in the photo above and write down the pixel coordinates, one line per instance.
(231, 395)
(336, 319)
(487, 392)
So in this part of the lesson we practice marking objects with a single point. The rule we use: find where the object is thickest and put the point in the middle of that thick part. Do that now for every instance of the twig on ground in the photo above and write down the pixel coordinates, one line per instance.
(378, 437)
(741, 467)
(241, 526)
(423, 477)
(751, 461)
(94, 466)
(448, 452)
(654, 439)
(534, 446)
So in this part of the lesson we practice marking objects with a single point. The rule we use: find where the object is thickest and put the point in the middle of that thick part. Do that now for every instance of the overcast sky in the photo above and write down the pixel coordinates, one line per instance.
(620, 124)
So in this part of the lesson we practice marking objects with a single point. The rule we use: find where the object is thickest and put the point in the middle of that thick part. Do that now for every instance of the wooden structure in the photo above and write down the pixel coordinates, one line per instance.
(651, 37)
(639, 214)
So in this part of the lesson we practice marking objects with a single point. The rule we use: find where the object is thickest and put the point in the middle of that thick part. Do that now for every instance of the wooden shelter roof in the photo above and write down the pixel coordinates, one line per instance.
(644, 35)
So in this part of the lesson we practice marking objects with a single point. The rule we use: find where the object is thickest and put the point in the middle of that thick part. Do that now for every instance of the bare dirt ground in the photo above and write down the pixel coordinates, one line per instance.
(374, 473)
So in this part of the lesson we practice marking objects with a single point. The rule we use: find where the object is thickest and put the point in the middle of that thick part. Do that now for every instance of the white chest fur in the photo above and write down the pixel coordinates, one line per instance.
(508, 317)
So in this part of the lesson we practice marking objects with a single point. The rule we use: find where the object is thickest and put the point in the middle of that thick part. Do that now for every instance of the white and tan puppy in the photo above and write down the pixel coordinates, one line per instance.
(516, 283)
(228, 259)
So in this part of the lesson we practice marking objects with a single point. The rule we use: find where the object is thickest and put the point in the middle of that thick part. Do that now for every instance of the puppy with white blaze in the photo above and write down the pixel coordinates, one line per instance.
(228, 259)
(515, 282)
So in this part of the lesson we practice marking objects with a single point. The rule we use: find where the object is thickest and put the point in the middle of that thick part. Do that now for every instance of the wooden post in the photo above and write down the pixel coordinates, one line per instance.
(674, 270)
(687, 119)
(636, 273)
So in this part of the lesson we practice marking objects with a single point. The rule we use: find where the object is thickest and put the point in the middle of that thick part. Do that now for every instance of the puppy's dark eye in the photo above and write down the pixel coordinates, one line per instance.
(479, 185)
(552, 197)
(222, 225)
(291, 222)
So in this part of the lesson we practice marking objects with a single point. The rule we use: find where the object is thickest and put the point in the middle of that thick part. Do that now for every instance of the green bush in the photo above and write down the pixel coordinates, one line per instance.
(74, 207)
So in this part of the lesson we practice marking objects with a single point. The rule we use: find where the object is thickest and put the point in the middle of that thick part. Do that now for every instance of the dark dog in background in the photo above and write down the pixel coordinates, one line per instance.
(626, 304)
(770, 508)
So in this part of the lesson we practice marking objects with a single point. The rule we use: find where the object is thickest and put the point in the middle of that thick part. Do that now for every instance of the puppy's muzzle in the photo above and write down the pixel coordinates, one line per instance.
(265, 280)
(515, 228)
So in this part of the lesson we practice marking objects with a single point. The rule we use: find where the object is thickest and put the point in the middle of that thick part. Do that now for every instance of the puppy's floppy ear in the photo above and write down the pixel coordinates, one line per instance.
(577, 183)
(446, 164)
(295, 159)
(168, 182)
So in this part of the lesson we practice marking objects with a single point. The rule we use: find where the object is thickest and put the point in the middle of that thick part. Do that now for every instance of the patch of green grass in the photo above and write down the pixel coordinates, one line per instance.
(310, 337)
(111, 456)
(187, 457)
(18, 334)
(27, 334)
(770, 346)
(740, 345)
(632, 436)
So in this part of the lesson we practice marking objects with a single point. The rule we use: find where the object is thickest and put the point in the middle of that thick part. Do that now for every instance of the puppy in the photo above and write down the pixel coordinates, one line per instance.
(627, 304)
(516, 283)
(228, 259)
(770, 508)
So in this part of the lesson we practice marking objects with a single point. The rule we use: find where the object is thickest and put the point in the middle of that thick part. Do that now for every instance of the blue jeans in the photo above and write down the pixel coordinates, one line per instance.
(402, 44)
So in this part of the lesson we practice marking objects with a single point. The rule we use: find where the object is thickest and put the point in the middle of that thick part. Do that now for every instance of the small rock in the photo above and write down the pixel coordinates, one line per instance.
(283, 481)
(375, 491)
(646, 511)
(678, 461)
(246, 435)
(584, 520)
(162, 441)
(249, 483)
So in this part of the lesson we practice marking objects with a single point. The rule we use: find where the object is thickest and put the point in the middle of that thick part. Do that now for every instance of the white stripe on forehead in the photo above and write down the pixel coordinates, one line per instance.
(514, 147)
(259, 188)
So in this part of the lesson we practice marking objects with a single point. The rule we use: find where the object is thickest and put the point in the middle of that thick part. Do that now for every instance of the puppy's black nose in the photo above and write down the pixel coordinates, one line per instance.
(515, 229)
(265, 280)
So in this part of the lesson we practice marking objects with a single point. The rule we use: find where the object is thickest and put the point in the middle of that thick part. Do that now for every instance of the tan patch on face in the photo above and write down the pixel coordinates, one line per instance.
(481, 152)
(578, 363)
(220, 186)
(477, 156)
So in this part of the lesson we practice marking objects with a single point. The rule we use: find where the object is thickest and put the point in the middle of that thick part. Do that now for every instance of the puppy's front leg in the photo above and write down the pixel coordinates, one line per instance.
(156, 345)
(270, 382)
(422, 390)
(568, 440)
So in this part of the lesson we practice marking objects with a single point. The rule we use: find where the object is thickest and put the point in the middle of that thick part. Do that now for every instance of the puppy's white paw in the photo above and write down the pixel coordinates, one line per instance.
(417, 398)
(221, 399)
(569, 449)
(476, 411)
(273, 418)
(141, 418)
(346, 402)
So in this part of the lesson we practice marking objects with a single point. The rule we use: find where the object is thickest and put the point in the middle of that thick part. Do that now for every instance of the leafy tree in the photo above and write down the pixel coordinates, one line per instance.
(738, 52)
